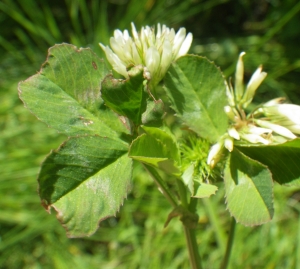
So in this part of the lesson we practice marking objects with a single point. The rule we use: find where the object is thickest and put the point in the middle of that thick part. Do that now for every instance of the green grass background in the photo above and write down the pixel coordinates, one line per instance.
(31, 238)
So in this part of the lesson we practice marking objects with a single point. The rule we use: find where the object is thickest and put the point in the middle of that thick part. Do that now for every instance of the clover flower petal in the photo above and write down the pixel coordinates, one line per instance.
(228, 143)
(214, 154)
(256, 79)
(284, 112)
(239, 77)
(185, 46)
(254, 138)
(234, 133)
(283, 131)
(115, 61)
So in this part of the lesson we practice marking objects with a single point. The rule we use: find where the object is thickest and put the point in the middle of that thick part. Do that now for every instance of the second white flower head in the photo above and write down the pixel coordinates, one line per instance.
(154, 51)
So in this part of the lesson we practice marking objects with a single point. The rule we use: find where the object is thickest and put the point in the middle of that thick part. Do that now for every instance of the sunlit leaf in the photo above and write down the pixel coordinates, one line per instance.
(85, 181)
(283, 160)
(205, 190)
(65, 94)
(126, 97)
(249, 190)
(196, 89)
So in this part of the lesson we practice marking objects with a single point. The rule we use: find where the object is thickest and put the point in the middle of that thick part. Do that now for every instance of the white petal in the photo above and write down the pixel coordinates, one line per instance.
(144, 42)
(158, 31)
(102, 46)
(166, 57)
(258, 130)
(134, 32)
(276, 128)
(128, 54)
(234, 133)
(178, 40)
(228, 143)
(230, 94)
(290, 111)
(136, 57)
(164, 29)
(118, 34)
(214, 154)
(239, 77)
(109, 54)
(253, 138)
(294, 128)
(117, 48)
(185, 45)
(275, 101)
(252, 86)
(115, 61)
(152, 60)
(126, 34)
(171, 34)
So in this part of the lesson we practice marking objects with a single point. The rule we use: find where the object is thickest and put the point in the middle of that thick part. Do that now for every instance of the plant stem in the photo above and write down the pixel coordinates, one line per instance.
(192, 245)
(190, 235)
(161, 185)
(182, 193)
(216, 224)
(225, 261)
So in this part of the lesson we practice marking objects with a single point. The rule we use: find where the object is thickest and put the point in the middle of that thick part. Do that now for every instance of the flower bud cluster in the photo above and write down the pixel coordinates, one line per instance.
(272, 123)
(153, 51)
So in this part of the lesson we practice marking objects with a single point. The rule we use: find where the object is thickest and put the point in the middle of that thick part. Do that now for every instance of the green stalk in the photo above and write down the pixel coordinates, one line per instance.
(192, 245)
(298, 244)
(190, 235)
(161, 185)
(225, 261)
(216, 224)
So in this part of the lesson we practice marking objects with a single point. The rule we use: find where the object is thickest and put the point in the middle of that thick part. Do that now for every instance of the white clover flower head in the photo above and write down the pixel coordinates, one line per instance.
(260, 126)
(154, 51)
(272, 123)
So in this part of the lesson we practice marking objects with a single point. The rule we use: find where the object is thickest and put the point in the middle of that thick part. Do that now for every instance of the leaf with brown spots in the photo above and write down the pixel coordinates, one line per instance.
(85, 181)
(65, 94)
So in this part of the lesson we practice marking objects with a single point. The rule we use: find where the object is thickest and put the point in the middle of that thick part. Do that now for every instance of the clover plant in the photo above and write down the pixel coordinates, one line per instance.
(172, 112)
